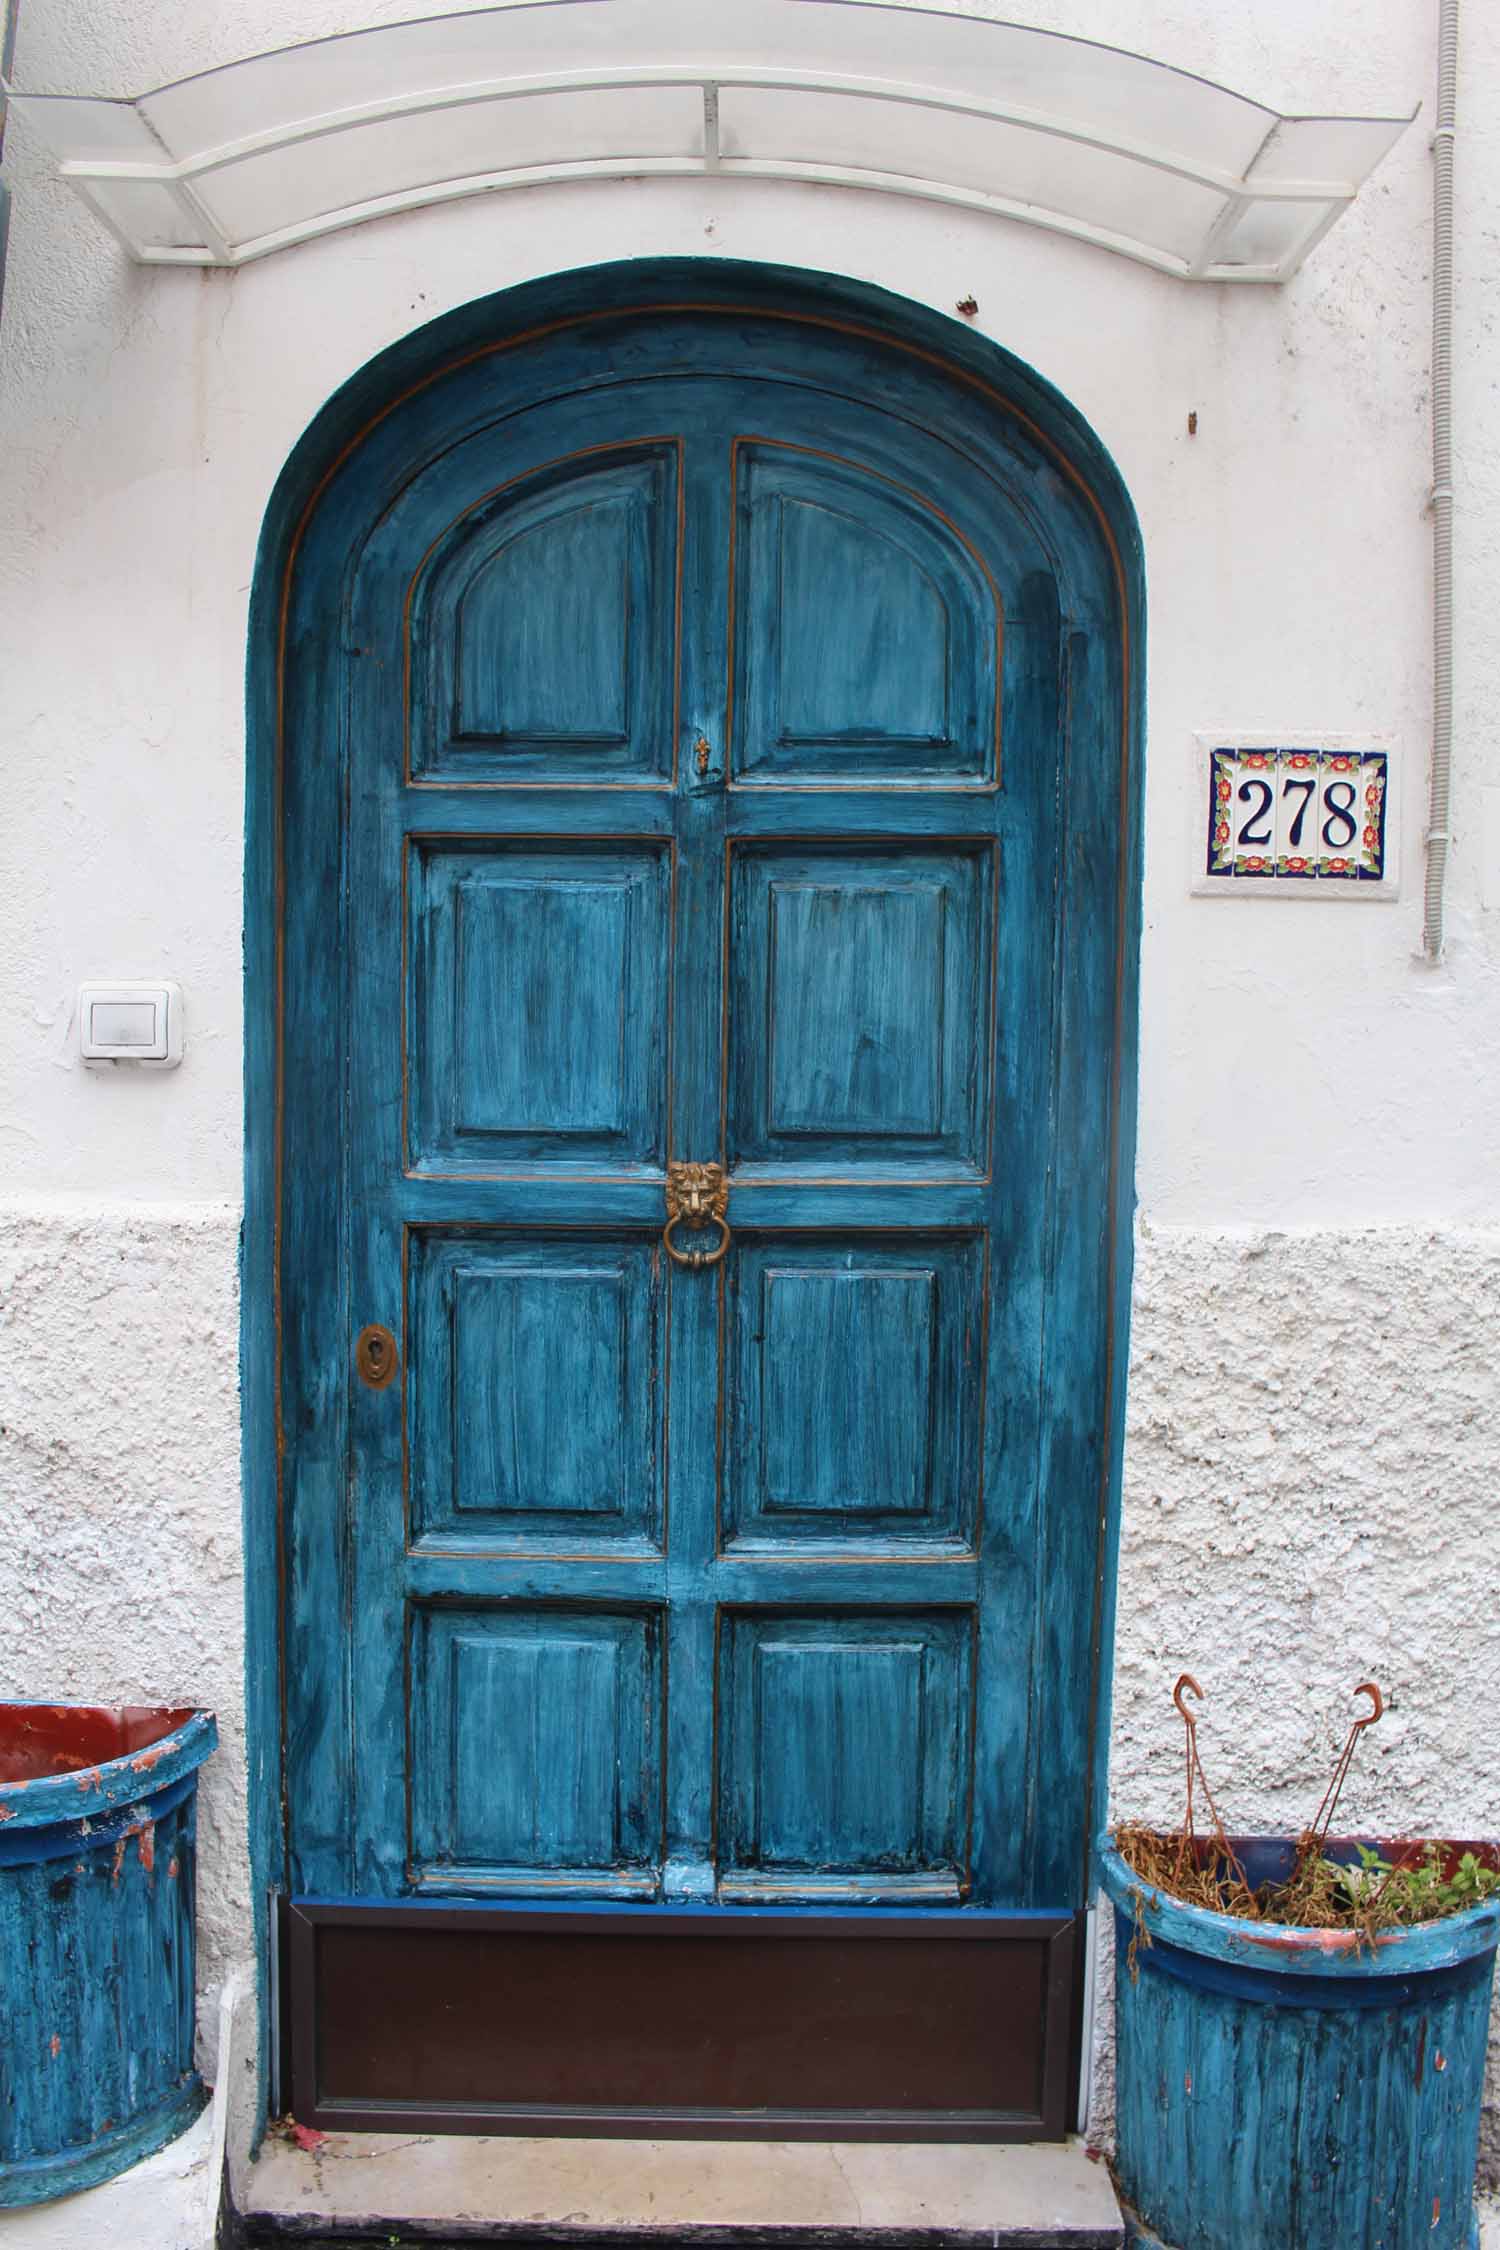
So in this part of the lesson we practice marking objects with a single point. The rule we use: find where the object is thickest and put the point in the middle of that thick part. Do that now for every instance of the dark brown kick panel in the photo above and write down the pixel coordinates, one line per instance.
(802, 2026)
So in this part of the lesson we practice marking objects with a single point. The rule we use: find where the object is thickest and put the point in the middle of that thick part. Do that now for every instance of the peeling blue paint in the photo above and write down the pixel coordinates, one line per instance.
(1297, 2086)
(97, 1866)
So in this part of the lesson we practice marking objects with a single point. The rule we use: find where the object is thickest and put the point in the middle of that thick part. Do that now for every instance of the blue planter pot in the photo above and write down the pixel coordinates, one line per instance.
(1289, 2086)
(97, 1866)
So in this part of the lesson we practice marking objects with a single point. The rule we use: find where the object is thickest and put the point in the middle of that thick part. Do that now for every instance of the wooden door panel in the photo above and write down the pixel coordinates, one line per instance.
(856, 1391)
(858, 1018)
(537, 1416)
(539, 986)
(845, 1753)
(535, 1748)
(866, 631)
(542, 627)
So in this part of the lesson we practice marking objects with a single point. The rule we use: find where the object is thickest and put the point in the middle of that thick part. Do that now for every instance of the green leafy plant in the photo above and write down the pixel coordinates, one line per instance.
(1418, 1891)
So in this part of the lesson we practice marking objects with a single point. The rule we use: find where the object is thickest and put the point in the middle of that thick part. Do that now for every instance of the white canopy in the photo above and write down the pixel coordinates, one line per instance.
(1090, 141)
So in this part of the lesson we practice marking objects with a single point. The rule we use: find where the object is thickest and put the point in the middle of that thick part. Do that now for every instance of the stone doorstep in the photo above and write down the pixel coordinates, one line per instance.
(435, 2190)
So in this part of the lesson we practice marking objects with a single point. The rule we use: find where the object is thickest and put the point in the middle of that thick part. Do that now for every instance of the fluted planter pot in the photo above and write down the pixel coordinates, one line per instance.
(1294, 2086)
(97, 1859)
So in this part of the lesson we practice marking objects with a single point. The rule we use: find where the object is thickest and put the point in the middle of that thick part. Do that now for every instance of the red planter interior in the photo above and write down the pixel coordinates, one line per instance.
(37, 1739)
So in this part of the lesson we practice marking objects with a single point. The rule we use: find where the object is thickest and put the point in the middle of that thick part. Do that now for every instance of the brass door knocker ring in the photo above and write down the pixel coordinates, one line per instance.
(697, 1196)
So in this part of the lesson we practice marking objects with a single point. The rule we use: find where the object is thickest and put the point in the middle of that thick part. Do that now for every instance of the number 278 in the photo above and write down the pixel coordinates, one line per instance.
(1333, 821)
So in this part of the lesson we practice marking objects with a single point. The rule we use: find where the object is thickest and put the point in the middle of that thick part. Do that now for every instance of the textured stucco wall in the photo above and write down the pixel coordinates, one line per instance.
(120, 1534)
(1312, 1465)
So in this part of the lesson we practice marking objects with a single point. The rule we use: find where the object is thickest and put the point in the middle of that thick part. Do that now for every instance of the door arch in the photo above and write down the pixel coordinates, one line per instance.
(693, 718)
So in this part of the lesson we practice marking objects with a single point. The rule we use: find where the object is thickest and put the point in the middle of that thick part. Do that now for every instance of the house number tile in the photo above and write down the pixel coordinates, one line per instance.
(1293, 817)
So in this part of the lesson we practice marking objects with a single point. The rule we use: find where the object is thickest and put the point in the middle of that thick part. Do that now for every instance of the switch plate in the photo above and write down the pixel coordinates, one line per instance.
(130, 1023)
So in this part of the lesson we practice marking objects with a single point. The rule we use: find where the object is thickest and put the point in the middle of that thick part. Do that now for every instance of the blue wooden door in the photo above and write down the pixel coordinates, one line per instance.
(704, 704)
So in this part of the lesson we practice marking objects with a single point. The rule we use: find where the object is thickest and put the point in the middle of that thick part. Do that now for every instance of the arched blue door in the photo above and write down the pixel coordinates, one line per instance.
(703, 747)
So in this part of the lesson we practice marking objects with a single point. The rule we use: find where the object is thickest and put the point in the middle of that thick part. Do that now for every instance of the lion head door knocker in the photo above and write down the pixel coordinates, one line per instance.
(697, 1197)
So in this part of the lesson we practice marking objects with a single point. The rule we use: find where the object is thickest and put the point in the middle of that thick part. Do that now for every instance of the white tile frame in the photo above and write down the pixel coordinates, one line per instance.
(1203, 885)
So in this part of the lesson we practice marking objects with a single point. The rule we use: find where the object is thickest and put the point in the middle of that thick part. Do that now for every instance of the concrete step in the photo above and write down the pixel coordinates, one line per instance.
(441, 2192)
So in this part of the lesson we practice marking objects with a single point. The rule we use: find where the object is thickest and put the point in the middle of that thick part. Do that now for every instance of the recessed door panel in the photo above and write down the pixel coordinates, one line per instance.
(537, 1418)
(539, 979)
(867, 632)
(856, 1390)
(543, 629)
(535, 1746)
(858, 1005)
(844, 1754)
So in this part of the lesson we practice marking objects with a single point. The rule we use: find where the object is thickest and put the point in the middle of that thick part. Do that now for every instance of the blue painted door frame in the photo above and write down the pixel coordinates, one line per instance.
(876, 899)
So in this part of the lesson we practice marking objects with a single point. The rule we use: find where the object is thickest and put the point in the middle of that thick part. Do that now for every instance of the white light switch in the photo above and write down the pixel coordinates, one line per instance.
(123, 1023)
(131, 1023)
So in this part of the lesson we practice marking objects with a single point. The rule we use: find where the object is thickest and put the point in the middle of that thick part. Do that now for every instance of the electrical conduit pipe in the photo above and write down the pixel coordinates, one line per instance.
(1442, 480)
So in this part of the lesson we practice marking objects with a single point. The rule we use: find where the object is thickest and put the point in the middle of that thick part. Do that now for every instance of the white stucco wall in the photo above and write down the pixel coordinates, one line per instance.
(1313, 1445)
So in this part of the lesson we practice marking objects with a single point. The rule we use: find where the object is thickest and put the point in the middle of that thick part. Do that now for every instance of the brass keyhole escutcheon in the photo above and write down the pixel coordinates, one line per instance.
(375, 1357)
(702, 752)
(697, 1197)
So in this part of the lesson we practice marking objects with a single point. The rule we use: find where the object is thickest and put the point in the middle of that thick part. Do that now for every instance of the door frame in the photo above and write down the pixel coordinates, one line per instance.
(1013, 391)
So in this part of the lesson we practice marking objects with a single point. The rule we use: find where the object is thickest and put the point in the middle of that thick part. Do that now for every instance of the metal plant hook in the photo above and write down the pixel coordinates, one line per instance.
(1323, 1818)
(1187, 1685)
(1196, 1777)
